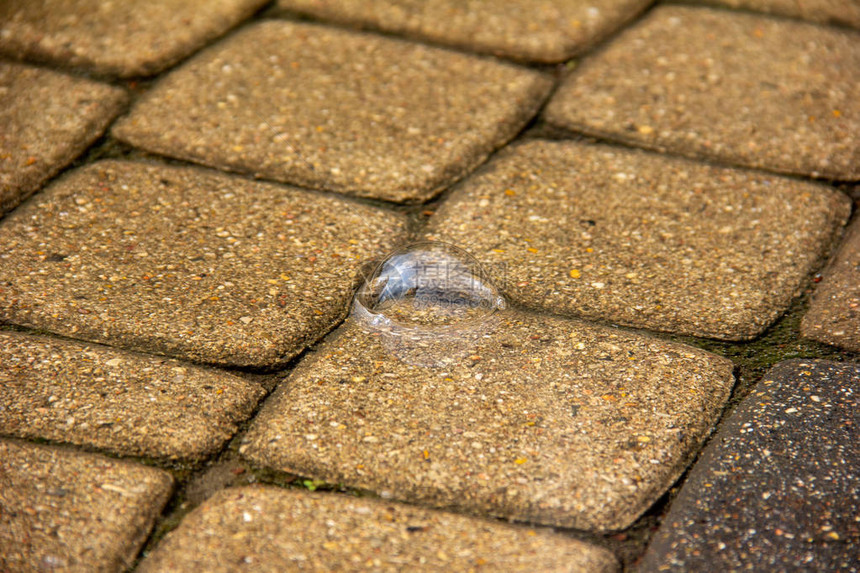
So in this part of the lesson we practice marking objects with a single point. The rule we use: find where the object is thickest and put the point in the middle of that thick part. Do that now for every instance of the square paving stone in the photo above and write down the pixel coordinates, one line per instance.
(776, 489)
(336, 110)
(46, 120)
(834, 314)
(271, 529)
(543, 31)
(136, 38)
(635, 238)
(71, 511)
(739, 88)
(546, 420)
(125, 403)
(842, 12)
(186, 262)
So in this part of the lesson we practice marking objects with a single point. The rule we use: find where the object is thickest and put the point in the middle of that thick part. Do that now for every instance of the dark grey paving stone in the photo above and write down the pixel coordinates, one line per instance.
(544, 31)
(740, 88)
(46, 120)
(118, 38)
(834, 313)
(124, 403)
(777, 488)
(543, 420)
(336, 110)
(635, 238)
(186, 262)
(69, 511)
(843, 12)
(271, 529)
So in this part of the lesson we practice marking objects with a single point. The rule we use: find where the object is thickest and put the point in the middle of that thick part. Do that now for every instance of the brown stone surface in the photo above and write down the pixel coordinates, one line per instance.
(834, 314)
(740, 88)
(125, 403)
(271, 529)
(545, 420)
(844, 12)
(120, 38)
(186, 262)
(336, 110)
(46, 120)
(63, 510)
(543, 31)
(631, 237)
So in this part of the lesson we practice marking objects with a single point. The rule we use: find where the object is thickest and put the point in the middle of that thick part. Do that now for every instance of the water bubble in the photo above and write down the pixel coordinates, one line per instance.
(429, 303)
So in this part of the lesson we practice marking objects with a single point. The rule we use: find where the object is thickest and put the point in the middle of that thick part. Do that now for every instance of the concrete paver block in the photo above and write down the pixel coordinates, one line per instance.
(544, 420)
(71, 511)
(739, 88)
(186, 262)
(46, 120)
(635, 238)
(125, 403)
(542, 31)
(824, 11)
(834, 314)
(777, 488)
(270, 529)
(118, 38)
(336, 110)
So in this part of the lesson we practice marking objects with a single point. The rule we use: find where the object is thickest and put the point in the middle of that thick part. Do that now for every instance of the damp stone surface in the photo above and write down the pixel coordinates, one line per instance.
(72, 511)
(46, 120)
(336, 110)
(547, 31)
(776, 489)
(834, 313)
(728, 86)
(272, 529)
(545, 420)
(186, 262)
(124, 403)
(611, 234)
(116, 38)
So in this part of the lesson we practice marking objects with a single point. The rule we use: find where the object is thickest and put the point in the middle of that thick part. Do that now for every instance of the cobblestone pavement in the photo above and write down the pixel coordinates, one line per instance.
(191, 192)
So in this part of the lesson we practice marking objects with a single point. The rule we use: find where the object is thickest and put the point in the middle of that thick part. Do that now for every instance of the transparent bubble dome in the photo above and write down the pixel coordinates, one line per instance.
(429, 303)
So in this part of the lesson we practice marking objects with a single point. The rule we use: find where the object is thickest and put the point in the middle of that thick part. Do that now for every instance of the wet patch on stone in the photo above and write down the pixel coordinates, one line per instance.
(124, 403)
(336, 110)
(776, 490)
(46, 120)
(545, 420)
(284, 530)
(186, 262)
(548, 31)
(739, 88)
(116, 38)
(635, 238)
(71, 511)
(834, 314)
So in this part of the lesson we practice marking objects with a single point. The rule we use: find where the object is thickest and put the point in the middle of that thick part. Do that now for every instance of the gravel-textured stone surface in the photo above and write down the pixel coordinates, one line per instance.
(542, 31)
(546, 420)
(46, 120)
(62, 510)
(186, 262)
(125, 403)
(270, 529)
(834, 313)
(844, 12)
(119, 38)
(777, 488)
(740, 88)
(336, 110)
(631, 237)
